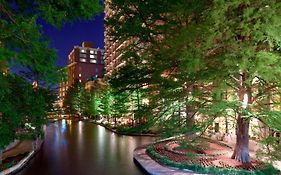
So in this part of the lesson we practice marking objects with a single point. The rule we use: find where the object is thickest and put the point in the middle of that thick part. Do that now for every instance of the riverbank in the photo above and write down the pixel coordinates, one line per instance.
(19, 156)
(122, 133)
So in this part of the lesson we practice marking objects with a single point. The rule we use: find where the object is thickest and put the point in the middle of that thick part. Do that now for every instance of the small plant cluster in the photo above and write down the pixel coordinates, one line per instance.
(7, 165)
(209, 170)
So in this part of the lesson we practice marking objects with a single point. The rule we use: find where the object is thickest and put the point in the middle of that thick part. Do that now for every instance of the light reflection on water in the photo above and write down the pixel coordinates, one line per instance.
(63, 125)
(84, 148)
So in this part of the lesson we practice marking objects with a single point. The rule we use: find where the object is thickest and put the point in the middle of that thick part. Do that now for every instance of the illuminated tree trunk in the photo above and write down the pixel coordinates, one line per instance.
(189, 110)
(189, 116)
(241, 151)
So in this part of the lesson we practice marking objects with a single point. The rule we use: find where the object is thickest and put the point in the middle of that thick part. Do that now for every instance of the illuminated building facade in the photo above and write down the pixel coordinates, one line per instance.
(112, 48)
(84, 63)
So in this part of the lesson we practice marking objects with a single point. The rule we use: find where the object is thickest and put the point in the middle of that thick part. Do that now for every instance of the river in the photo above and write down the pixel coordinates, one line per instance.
(84, 148)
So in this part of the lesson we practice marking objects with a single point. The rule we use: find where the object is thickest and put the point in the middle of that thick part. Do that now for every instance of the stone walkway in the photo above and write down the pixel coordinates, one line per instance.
(153, 168)
(22, 147)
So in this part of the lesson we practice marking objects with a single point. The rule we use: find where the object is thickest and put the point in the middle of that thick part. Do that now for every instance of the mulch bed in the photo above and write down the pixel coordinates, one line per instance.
(211, 154)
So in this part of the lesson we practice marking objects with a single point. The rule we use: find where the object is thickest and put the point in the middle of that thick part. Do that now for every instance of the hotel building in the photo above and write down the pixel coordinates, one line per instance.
(113, 48)
(84, 63)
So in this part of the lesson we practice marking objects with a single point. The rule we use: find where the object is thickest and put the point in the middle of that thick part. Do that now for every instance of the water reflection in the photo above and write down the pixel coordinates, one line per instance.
(84, 148)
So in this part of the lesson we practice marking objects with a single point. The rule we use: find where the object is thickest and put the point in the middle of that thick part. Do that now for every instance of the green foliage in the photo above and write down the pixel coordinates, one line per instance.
(23, 46)
(120, 104)
(190, 54)
(74, 101)
(106, 102)
(7, 165)
(270, 148)
(95, 104)
(23, 110)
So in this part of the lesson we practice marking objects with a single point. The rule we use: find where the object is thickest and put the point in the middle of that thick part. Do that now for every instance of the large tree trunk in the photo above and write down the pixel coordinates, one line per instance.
(189, 116)
(189, 110)
(241, 150)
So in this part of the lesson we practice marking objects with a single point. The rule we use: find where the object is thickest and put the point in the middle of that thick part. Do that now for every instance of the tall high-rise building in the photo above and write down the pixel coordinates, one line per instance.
(112, 48)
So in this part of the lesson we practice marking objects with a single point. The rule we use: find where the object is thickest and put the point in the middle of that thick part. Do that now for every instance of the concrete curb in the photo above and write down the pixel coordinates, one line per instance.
(153, 168)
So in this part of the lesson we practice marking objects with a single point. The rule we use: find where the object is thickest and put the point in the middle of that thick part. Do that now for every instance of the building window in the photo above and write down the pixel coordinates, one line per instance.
(82, 60)
(79, 75)
(91, 51)
(97, 70)
(80, 80)
(92, 56)
(93, 61)
(82, 55)
(83, 51)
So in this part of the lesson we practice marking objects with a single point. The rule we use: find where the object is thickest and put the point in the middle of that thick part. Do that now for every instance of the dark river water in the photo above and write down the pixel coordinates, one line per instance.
(83, 148)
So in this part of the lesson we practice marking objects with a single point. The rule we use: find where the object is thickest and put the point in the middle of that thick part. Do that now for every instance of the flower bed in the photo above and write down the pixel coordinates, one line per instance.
(166, 153)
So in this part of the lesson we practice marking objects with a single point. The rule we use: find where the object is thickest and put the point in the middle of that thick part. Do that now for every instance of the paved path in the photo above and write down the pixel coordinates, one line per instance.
(22, 147)
(153, 168)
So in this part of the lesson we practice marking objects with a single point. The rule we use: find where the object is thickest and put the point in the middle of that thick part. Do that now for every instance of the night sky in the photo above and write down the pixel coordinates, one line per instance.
(66, 37)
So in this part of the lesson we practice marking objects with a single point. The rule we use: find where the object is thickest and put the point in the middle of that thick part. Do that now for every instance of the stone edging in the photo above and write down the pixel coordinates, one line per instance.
(152, 167)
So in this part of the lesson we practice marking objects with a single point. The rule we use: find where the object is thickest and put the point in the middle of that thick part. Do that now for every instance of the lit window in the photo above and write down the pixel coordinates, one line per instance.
(82, 60)
(83, 51)
(79, 75)
(92, 56)
(93, 61)
(91, 51)
(80, 80)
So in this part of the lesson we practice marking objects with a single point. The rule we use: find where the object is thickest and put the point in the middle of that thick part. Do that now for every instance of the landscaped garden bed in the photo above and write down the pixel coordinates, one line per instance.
(11, 161)
(204, 156)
